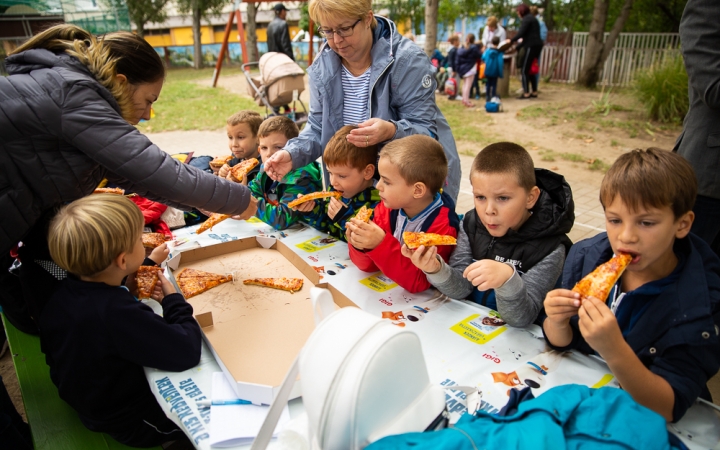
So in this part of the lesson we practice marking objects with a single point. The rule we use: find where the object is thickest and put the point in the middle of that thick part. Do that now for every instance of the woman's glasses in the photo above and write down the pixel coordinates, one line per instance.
(328, 33)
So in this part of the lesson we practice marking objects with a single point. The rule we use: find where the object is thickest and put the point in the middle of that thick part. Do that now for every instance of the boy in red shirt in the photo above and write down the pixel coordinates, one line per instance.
(412, 172)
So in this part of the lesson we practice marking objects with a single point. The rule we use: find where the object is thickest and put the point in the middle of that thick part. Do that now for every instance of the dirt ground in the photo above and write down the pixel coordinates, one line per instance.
(575, 132)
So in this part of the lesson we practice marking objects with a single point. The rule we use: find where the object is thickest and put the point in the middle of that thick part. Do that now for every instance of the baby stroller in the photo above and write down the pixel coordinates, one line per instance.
(280, 83)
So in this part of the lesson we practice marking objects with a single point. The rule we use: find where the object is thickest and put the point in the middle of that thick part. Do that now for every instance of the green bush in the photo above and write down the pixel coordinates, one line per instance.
(663, 90)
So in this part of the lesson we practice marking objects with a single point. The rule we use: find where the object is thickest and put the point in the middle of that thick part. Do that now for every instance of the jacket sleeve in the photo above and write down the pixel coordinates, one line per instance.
(524, 25)
(92, 126)
(701, 49)
(413, 101)
(306, 148)
(285, 42)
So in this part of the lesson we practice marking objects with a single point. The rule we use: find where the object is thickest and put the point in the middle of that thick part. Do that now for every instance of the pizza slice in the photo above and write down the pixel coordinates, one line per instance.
(146, 279)
(194, 273)
(416, 239)
(243, 168)
(364, 214)
(117, 191)
(192, 286)
(285, 284)
(153, 240)
(211, 222)
(314, 196)
(600, 281)
(220, 161)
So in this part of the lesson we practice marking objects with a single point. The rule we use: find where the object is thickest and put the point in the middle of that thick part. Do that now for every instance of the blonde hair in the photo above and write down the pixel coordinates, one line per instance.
(506, 157)
(651, 178)
(86, 235)
(278, 124)
(492, 21)
(251, 118)
(319, 9)
(340, 152)
(418, 158)
(119, 53)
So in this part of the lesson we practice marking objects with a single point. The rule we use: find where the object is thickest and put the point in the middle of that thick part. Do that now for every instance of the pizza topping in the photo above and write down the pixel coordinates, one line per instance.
(220, 161)
(414, 239)
(211, 222)
(285, 284)
(193, 282)
(146, 279)
(153, 240)
(117, 191)
(600, 281)
(363, 214)
(314, 196)
(243, 168)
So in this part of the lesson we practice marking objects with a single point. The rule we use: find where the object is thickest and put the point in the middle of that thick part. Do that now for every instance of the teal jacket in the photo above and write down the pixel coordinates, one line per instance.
(318, 217)
(273, 196)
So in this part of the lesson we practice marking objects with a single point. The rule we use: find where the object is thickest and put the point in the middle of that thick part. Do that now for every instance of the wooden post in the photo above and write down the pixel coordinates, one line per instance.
(241, 35)
(223, 49)
(311, 27)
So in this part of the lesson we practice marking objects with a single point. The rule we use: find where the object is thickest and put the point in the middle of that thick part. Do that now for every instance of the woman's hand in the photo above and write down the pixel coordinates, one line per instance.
(278, 165)
(371, 132)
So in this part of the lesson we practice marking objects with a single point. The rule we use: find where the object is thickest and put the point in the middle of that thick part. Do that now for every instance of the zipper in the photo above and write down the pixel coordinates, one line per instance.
(492, 242)
(374, 83)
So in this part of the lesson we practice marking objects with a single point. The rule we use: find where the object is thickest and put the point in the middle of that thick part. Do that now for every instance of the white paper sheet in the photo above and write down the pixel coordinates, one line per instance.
(233, 425)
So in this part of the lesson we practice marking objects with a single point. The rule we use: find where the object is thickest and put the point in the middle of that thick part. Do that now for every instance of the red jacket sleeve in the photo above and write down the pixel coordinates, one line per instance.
(388, 258)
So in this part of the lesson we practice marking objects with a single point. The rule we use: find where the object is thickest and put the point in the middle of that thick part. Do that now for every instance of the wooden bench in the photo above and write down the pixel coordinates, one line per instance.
(54, 424)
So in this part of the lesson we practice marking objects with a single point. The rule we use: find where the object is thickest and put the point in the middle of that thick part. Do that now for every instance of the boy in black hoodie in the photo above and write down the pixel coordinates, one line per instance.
(511, 248)
(97, 336)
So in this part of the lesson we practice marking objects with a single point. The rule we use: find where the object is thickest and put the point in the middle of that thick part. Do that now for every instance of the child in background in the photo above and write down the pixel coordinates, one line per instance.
(412, 172)
(242, 129)
(512, 246)
(493, 68)
(351, 171)
(658, 329)
(97, 336)
(273, 196)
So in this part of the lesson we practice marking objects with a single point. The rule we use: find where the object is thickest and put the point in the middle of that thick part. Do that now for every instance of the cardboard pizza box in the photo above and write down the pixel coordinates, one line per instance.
(254, 332)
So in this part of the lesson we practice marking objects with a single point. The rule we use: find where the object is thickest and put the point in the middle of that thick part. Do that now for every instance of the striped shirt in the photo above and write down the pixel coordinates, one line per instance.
(356, 91)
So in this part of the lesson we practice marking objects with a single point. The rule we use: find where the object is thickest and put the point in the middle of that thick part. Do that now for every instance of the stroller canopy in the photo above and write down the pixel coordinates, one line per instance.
(274, 66)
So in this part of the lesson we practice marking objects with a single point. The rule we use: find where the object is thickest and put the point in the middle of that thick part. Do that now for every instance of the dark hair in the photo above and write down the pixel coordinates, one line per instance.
(651, 178)
(470, 38)
(135, 58)
(506, 157)
(522, 9)
(495, 40)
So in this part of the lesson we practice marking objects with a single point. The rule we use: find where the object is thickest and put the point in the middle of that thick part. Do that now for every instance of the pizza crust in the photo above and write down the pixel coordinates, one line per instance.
(600, 281)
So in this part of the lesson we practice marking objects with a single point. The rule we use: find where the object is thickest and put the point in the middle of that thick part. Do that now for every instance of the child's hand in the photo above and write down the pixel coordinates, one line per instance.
(599, 326)
(304, 207)
(561, 305)
(250, 211)
(166, 288)
(334, 207)
(159, 253)
(364, 236)
(424, 258)
(224, 171)
(488, 274)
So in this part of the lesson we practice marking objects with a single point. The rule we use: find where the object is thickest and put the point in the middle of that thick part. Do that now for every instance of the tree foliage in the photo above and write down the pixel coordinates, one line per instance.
(199, 9)
(141, 11)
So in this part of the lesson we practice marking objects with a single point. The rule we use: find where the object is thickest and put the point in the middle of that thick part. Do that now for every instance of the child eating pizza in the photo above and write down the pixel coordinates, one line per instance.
(658, 328)
(97, 336)
(242, 132)
(412, 172)
(512, 245)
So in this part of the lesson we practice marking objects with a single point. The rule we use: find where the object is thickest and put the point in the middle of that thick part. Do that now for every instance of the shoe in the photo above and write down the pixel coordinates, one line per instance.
(522, 97)
(533, 95)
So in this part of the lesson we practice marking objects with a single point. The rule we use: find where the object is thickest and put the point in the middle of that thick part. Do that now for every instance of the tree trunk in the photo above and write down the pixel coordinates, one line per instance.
(597, 52)
(197, 43)
(140, 29)
(431, 13)
(251, 32)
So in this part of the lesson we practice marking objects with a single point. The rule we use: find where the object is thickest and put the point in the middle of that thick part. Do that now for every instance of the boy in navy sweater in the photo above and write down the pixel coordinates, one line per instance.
(658, 329)
(97, 336)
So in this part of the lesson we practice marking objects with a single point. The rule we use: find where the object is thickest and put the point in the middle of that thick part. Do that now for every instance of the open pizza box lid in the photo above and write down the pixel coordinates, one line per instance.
(254, 332)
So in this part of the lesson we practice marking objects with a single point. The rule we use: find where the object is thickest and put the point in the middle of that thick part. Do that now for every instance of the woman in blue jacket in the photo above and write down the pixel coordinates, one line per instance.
(367, 75)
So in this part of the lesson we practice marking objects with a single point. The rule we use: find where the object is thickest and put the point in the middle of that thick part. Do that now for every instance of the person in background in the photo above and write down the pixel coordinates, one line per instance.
(355, 80)
(699, 142)
(493, 68)
(543, 35)
(467, 58)
(451, 61)
(492, 29)
(529, 33)
(70, 105)
(242, 131)
(278, 35)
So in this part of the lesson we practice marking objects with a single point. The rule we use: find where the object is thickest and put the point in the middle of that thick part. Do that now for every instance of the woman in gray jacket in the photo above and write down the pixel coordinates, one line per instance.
(67, 112)
(366, 75)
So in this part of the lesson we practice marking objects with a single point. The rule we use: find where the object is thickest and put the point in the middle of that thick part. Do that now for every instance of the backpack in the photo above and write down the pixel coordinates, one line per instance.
(451, 87)
(494, 105)
(362, 379)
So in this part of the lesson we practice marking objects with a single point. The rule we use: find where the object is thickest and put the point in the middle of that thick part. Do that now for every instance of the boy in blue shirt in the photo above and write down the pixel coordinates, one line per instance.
(493, 68)
(658, 329)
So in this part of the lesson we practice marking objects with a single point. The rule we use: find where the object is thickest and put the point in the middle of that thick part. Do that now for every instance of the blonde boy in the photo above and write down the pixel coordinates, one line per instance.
(273, 196)
(94, 333)
(242, 129)
(412, 172)
(351, 171)
(658, 329)
(512, 245)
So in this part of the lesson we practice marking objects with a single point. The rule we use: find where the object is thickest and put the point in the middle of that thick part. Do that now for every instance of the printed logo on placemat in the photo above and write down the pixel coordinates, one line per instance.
(317, 243)
(379, 283)
(479, 328)
(254, 220)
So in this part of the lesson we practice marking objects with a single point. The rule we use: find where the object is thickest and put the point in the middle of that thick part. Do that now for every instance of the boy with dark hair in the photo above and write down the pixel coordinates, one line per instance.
(351, 171)
(512, 246)
(242, 131)
(658, 328)
(273, 196)
(97, 336)
(412, 172)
